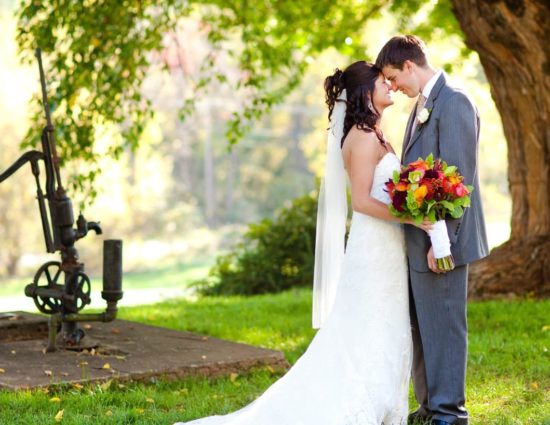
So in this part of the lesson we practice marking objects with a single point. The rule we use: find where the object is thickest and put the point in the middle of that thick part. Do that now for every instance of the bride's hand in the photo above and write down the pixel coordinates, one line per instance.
(425, 225)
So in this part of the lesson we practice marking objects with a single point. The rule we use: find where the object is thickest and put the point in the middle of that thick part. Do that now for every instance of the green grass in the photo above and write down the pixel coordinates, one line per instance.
(508, 373)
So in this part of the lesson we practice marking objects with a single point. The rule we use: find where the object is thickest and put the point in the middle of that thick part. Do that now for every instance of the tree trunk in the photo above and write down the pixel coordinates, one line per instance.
(512, 39)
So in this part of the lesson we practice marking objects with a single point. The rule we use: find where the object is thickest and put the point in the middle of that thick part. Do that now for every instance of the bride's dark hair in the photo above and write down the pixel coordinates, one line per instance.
(358, 79)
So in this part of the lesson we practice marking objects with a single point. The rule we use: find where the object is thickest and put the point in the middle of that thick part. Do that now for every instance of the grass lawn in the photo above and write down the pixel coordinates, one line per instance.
(508, 373)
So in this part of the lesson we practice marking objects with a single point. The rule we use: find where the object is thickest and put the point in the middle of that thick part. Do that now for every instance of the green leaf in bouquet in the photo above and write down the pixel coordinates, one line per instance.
(449, 170)
(429, 205)
(470, 188)
(412, 206)
(432, 216)
(394, 212)
(396, 176)
(430, 160)
(447, 205)
(462, 202)
(457, 212)
(418, 218)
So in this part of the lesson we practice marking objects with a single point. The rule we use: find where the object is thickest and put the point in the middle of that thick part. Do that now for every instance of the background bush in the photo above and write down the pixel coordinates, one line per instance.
(275, 254)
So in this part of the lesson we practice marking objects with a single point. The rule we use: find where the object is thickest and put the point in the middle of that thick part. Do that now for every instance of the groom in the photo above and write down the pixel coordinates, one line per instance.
(448, 128)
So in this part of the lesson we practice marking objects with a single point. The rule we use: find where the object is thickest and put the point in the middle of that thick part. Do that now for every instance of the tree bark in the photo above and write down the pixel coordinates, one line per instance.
(512, 39)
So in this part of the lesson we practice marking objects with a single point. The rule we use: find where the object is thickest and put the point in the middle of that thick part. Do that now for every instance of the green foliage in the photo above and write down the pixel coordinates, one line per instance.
(275, 254)
(99, 52)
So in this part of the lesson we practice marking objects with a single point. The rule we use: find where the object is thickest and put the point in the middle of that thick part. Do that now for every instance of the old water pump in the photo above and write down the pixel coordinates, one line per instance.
(62, 288)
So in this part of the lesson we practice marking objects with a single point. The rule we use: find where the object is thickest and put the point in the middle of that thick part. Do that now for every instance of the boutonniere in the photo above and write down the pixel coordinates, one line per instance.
(423, 115)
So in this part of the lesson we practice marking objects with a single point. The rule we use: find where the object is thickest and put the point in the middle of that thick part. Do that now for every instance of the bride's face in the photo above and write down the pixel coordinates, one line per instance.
(382, 94)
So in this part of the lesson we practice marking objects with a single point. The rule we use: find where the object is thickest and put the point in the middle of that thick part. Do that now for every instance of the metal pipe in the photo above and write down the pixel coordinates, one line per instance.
(112, 293)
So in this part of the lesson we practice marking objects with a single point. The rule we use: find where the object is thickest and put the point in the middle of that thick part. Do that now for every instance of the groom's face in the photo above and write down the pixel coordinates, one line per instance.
(403, 80)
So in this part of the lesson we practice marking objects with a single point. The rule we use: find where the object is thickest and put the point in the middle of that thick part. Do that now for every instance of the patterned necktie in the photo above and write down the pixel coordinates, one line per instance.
(419, 105)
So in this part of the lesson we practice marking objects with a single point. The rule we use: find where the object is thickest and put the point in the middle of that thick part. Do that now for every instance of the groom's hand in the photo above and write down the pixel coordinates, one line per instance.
(432, 264)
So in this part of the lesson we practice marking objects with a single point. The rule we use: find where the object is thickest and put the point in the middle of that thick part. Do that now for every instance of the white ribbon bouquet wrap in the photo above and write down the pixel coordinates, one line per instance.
(441, 245)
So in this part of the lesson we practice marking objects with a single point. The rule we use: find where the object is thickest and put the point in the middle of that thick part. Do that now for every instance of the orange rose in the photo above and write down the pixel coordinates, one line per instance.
(419, 164)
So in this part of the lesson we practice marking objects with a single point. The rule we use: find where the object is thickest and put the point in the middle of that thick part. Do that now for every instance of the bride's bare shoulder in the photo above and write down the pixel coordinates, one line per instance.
(361, 140)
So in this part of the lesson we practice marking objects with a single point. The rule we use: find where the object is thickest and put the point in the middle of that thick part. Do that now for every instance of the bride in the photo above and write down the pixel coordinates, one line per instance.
(356, 370)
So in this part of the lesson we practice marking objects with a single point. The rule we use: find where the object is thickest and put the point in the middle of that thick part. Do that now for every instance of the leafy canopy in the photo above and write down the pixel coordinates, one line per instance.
(98, 54)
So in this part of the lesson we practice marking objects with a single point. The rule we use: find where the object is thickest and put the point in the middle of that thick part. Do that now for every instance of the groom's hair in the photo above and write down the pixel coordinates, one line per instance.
(400, 49)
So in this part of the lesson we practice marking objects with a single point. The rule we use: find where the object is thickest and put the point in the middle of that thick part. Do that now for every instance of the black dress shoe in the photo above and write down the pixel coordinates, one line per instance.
(458, 421)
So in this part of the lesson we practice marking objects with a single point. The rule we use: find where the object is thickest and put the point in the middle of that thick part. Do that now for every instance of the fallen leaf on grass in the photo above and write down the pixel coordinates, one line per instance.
(105, 386)
(139, 411)
(106, 366)
(59, 416)
(55, 400)
(149, 400)
(535, 385)
(108, 413)
(77, 386)
(233, 377)
(184, 391)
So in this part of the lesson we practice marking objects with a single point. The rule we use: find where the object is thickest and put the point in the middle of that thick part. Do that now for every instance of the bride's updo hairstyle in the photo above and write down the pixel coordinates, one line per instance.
(358, 79)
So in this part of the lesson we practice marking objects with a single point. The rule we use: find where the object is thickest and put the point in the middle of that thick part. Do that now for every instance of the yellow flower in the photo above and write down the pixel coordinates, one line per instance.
(454, 180)
(420, 194)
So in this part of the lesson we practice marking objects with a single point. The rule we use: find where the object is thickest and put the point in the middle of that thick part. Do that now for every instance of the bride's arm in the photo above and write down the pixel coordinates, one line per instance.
(364, 154)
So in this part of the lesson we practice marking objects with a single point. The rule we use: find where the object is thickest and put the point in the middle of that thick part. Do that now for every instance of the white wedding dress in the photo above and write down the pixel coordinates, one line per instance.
(356, 370)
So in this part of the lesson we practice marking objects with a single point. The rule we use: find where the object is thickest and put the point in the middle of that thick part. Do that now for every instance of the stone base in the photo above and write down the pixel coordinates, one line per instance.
(119, 350)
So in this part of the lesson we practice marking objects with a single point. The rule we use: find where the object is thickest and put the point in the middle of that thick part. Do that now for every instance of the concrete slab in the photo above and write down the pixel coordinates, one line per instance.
(120, 350)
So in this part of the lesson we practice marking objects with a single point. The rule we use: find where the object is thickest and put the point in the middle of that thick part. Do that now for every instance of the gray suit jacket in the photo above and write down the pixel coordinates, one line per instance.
(452, 134)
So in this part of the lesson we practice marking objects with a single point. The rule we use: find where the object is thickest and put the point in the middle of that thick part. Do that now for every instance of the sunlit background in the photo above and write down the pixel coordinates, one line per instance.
(184, 197)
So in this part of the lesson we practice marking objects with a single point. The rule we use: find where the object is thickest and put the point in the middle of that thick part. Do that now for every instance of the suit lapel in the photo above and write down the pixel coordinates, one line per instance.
(441, 81)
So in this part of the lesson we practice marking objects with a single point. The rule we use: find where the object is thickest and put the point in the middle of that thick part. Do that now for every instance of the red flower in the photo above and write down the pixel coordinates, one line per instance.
(461, 190)
(448, 187)
(431, 174)
(398, 201)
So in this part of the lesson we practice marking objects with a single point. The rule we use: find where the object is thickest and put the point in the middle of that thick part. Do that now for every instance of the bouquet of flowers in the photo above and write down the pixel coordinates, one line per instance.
(430, 189)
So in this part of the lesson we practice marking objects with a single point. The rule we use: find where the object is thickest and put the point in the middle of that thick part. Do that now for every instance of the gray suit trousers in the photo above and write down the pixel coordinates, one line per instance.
(438, 317)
